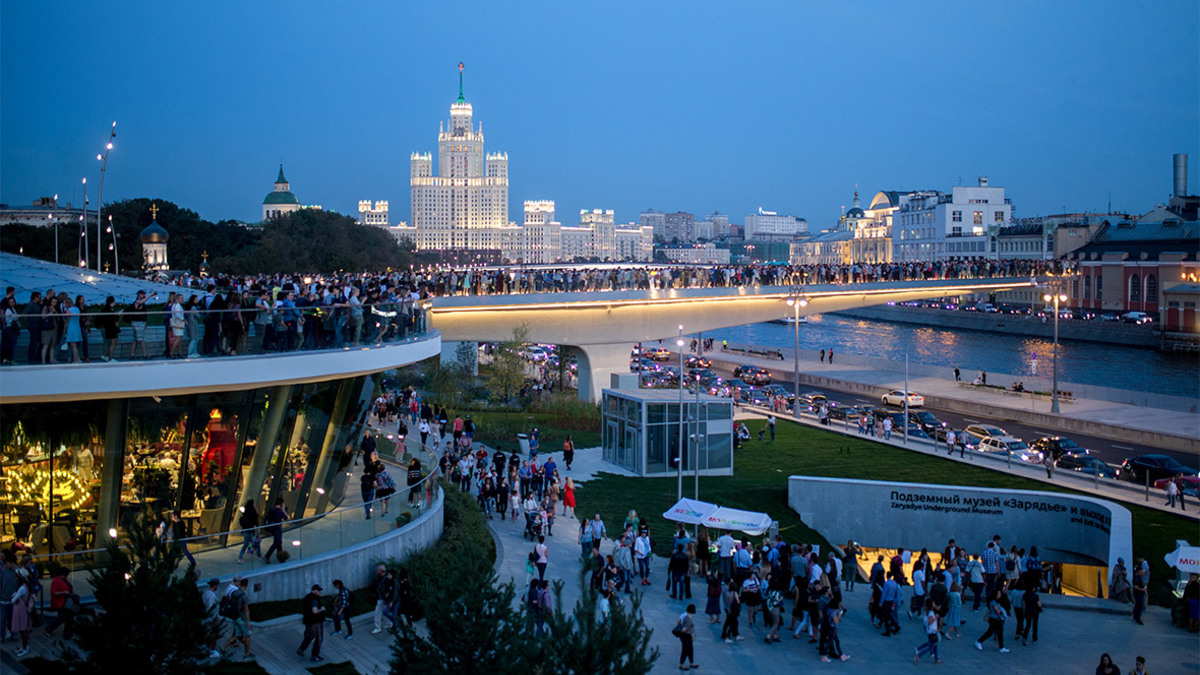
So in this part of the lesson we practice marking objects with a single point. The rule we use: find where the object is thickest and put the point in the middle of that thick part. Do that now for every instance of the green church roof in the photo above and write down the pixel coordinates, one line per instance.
(281, 179)
(280, 198)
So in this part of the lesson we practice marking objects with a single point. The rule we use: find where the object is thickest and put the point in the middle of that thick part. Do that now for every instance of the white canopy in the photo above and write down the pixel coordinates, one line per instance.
(1184, 559)
(689, 511)
(695, 512)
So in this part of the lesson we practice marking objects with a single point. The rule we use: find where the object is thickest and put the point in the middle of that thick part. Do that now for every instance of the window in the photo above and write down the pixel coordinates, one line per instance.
(1151, 288)
(1135, 288)
(1087, 288)
(998, 217)
(1099, 289)
(978, 217)
(957, 217)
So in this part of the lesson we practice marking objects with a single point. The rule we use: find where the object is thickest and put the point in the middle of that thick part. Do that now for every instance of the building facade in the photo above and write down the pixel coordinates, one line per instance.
(373, 214)
(771, 225)
(929, 225)
(280, 200)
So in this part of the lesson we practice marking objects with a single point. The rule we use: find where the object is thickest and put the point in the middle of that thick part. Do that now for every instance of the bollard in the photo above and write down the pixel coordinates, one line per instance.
(1146, 475)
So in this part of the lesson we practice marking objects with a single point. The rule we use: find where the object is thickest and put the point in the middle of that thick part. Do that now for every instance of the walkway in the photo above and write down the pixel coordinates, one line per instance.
(1071, 641)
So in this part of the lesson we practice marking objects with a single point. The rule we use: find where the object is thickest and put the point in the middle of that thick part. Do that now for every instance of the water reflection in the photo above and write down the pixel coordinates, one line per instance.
(1080, 362)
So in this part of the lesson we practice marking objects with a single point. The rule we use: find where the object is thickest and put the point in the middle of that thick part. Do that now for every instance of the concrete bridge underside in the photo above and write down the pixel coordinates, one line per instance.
(602, 326)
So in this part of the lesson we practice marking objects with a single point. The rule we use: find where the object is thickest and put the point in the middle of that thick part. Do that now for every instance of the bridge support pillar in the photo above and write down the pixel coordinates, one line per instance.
(595, 364)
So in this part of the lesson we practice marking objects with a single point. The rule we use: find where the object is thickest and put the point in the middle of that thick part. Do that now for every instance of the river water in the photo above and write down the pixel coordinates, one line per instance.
(1090, 363)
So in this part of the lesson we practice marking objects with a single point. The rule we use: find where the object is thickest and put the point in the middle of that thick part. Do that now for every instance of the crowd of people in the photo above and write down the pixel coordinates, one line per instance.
(285, 312)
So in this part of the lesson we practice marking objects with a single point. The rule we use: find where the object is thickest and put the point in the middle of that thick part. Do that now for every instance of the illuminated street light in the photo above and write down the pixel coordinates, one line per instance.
(1056, 295)
(796, 300)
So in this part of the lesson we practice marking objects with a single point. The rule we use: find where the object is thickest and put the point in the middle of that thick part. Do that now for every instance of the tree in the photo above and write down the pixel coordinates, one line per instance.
(581, 644)
(508, 368)
(151, 618)
(313, 240)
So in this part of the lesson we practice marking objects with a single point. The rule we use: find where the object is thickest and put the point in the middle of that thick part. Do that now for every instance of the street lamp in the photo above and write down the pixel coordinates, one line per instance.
(1056, 295)
(796, 301)
(103, 159)
(682, 440)
(83, 228)
(116, 260)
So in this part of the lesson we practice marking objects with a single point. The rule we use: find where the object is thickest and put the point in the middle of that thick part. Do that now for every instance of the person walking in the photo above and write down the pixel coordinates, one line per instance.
(238, 616)
(685, 630)
(275, 519)
(957, 375)
(733, 607)
(995, 617)
(771, 426)
(64, 601)
(1033, 609)
(22, 606)
(314, 623)
(951, 437)
(887, 606)
(543, 557)
(1172, 493)
(931, 635)
(341, 609)
(1139, 594)
(385, 590)
(568, 452)
(248, 523)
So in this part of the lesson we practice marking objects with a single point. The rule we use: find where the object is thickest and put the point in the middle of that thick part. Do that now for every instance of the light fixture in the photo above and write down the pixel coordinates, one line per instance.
(112, 532)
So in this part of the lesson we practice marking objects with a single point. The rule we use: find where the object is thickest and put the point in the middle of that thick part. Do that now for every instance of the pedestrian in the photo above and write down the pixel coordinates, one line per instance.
(1033, 608)
(313, 617)
(983, 376)
(641, 554)
(238, 615)
(211, 602)
(248, 523)
(341, 609)
(275, 519)
(996, 615)
(889, 596)
(950, 438)
(568, 452)
(599, 532)
(385, 590)
(685, 630)
(831, 355)
(543, 556)
(931, 635)
(953, 618)
(771, 426)
(733, 607)
(957, 375)
(1139, 667)
(21, 603)
(64, 601)
(1107, 667)
(545, 607)
(585, 537)
(677, 567)
(1139, 594)
(822, 356)
(1172, 492)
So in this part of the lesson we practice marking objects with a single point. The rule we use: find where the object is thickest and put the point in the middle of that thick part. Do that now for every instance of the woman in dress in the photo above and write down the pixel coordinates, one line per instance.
(85, 325)
(569, 498)
(703, 553)
(22, 605)
(192, 312)
(49, 330)
(74, 335)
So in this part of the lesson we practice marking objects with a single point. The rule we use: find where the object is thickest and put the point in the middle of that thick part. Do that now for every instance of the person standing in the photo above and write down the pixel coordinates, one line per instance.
(1139, 594)
(957, 375)
(543, 556)
(568, 452)
(1107, 667)
(677, 566)
(1172, 493)
(887, 605)
(733, 607)
(341, 609)
(931, 635)
(641, 554)
(822, 356)
(686, 631)
(31, 316)
(725, 547)
(831, 355)
(314, 623)
(1139, 666)
(771, 426)
(275, 519)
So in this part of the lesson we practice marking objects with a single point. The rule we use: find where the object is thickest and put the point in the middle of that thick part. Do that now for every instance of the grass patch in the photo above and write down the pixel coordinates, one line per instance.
(500, 429)
(343, 668)
(760, 484)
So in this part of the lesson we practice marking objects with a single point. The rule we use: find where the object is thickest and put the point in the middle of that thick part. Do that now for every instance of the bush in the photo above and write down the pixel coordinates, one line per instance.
(404, 518)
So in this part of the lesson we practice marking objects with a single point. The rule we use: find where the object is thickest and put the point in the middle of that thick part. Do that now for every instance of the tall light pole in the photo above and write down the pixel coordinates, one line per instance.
(796, 301)
(682, 438)
(116, 254)
(103, 158)
(83, 228)
(1055, 293)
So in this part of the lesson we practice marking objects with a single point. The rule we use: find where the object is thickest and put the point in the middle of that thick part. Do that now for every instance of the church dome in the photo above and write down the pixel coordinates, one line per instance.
(281, 197)
(154, 234)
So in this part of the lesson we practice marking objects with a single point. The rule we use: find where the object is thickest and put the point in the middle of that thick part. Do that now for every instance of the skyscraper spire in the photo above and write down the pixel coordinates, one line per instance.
(460, 83)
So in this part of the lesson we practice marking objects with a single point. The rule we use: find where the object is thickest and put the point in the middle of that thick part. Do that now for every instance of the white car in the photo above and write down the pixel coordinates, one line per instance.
(896, 398)
(1004, 445)
(536, 354)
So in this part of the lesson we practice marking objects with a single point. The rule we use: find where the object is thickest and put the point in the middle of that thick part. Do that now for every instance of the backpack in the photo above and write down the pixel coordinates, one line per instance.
(1010, 565)
(228, 607)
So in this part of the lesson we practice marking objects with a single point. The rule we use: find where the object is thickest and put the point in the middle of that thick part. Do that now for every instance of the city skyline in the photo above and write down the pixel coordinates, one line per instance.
(658, 113)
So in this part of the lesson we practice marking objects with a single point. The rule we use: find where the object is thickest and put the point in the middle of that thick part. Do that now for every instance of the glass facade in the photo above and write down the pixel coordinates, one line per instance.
(73, 474)
(641, 432)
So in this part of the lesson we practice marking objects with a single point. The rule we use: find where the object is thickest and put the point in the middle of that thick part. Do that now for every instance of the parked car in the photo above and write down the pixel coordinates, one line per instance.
(643, 365)
(850, 412)
(756, 397)
(657, 353)
(752, 374)
(1191, 485)
(779, 390)
(700, 374)
(1057, 446)
(535, 353)
(736, 387)
(1139, 318)
(670, 375)
(926, 420)
(811, 400)
(977, 432)
(1154, 466)
(896, 398)
(1085, 463)
(697, 362)
(1006, 445)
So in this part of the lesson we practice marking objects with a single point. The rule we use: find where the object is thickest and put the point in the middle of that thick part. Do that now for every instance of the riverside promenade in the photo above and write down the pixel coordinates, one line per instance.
(1176, 427)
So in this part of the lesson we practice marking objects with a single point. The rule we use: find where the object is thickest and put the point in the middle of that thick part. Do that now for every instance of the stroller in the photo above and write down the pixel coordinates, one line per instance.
(534, 527)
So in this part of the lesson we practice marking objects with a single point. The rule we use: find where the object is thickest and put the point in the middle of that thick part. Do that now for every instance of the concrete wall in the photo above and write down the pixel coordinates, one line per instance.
(1065, 528)
(1013, 324)
(354, 565)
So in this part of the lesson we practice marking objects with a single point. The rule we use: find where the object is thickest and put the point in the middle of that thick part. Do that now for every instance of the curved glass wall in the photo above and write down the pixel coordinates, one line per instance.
(72, 474)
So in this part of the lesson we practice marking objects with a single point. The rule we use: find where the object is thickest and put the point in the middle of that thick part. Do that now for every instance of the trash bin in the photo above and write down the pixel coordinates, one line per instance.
(523, 443)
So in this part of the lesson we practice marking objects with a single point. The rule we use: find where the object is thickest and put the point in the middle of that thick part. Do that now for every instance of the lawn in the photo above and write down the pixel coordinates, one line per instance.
(501, 429)
(760, 484)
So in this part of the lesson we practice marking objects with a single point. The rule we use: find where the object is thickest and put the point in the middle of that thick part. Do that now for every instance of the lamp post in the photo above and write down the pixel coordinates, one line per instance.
(83, 249)
(103, 159)
(1055, 294)
(696, 455)
(796, 301)
(116, 254)
(682, 439)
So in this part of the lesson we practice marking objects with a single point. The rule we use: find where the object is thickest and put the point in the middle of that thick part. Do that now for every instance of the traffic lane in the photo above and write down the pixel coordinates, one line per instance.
(1108, 450)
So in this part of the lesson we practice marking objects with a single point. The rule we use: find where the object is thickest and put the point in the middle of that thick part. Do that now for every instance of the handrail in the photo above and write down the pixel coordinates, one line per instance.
(432, 474)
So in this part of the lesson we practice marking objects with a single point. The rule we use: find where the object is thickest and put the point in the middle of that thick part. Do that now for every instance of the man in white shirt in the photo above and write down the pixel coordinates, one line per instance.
(641, 555)
(725, 546)
(918, 596)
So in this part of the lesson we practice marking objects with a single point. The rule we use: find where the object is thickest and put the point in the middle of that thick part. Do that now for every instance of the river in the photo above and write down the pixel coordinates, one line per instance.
(1090, 363)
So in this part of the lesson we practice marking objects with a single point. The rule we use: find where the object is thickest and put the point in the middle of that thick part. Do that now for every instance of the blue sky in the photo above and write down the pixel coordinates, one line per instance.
(689, 106)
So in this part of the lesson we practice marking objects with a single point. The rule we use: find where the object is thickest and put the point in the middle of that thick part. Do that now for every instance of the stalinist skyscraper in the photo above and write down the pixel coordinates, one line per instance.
(465, 205)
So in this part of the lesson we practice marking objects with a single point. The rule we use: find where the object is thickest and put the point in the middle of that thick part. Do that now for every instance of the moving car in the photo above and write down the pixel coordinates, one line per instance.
(1154, 466)
(977, 432)
(778, 390)
(1085, 463)
(1139, 318)
(1057, 446)
(752, 374)
(756, 397)
(896, 398)
(535, 353)
(697, 362)
(700, 374)
(850, 412)
(657, 353)
(1005, 445)
(644, 365)
(926, 420)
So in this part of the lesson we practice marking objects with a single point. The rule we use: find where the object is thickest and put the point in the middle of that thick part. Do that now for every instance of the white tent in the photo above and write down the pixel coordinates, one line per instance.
(1184, 559)
(689, 511)
(695, 512)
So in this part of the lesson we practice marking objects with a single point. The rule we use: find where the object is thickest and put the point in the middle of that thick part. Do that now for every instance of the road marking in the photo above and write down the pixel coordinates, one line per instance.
(1123, 447)
(1044, 432)
(972, 421)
